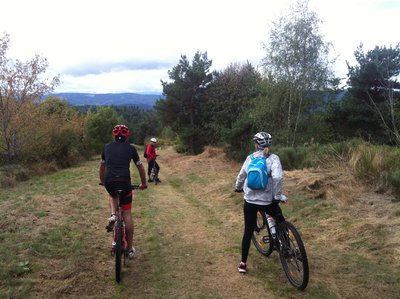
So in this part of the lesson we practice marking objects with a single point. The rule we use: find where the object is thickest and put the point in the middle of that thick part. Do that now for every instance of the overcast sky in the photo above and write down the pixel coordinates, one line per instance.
(102, 46)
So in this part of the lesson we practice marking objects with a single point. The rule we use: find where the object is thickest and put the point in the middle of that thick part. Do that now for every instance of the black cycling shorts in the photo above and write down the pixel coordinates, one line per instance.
(126, 197)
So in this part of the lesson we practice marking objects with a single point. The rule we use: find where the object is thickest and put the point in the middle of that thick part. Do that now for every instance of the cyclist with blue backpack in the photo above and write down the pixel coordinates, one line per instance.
(261, 179)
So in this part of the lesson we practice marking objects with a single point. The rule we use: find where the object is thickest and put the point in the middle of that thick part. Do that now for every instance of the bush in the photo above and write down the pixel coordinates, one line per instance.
(394, 180)
(10, 175)
(238, 154)
(294, 158)
(180, 146)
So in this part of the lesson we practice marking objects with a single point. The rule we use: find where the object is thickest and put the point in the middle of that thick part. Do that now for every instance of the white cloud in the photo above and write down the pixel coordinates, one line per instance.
(120, 81)
(129, 45)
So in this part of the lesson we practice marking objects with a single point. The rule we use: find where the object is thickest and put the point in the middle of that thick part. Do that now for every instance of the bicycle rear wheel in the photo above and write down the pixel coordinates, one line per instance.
(119, 248)
(293, 255)
(262, 238)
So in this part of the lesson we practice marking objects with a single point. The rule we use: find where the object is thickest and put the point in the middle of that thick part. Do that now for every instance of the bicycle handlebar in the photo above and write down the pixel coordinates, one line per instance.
(133, 186)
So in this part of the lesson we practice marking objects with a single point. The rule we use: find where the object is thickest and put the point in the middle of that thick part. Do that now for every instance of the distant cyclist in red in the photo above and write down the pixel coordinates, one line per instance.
(151, 156)
(115, 175)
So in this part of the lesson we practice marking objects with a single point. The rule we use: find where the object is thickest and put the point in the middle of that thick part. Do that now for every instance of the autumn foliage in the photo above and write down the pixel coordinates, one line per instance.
(34, 129)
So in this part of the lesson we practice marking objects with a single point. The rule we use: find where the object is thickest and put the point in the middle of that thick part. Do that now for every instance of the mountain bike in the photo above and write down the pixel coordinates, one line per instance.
(154, 173)
(119, 247)
(285, 239)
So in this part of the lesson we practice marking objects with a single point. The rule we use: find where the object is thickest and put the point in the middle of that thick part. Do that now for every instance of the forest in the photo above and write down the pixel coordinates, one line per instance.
(294, 95)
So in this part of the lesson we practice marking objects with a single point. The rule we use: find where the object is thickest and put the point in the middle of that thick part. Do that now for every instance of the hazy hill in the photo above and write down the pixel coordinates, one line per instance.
(145, 101)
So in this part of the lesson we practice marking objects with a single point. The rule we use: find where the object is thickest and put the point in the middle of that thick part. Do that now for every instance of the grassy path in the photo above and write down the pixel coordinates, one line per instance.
(188, 232)
(189, 242)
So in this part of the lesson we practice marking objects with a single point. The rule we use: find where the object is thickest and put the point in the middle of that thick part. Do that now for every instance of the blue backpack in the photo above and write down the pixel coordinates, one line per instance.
(257, 173)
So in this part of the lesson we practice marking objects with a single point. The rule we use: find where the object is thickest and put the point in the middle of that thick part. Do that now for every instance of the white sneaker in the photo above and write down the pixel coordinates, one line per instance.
(111, 222)
(132, 253)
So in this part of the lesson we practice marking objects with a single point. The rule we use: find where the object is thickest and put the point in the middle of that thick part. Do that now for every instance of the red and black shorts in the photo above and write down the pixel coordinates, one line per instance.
(112, 187)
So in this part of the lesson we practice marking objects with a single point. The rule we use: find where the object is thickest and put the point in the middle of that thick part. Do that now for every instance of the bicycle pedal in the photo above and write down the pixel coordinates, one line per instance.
(109, 228)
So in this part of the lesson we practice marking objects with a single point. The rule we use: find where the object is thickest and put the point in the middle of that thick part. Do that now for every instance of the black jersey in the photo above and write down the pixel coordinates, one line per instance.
(117, 156)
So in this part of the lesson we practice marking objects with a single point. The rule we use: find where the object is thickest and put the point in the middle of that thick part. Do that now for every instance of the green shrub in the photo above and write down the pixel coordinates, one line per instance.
(11, 174)
(294, 158)
(238, 154)
(394, 180)
(180, 146)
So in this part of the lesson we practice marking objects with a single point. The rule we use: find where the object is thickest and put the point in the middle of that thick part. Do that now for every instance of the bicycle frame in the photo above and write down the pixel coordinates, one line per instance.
(119, 236)
(119, 220)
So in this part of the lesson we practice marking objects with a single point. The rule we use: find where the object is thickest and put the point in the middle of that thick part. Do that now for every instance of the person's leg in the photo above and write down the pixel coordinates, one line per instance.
(250, 222)
(113, 201)
(275, 211)
(127, 215)
(150, 167)
(157, 167)
(113, 204)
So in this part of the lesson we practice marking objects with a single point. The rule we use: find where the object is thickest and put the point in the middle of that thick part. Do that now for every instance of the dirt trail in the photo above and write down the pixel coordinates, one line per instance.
(199, 236)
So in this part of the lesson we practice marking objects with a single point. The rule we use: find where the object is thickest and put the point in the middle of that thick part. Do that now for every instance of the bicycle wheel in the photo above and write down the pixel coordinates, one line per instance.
(262, 238)
(153, 176)
(293, 255)
(119, 248)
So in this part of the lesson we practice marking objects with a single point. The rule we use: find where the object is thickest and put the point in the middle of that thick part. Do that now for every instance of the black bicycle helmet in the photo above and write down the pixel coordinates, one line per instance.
(263, 139)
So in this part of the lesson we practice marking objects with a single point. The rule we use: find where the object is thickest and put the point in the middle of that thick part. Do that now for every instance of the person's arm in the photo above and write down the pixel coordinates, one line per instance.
(277, 177)
(240, 179)
(142, 175)
(102, 171)
(102, 168)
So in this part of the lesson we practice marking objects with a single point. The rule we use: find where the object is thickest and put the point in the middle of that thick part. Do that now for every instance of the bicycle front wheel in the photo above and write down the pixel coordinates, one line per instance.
(119, 248)
(262, 238)
(153, 176)
(293, 255)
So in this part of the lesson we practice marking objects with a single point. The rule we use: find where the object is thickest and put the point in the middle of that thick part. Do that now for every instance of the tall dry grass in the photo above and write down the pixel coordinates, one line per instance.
(375, 165)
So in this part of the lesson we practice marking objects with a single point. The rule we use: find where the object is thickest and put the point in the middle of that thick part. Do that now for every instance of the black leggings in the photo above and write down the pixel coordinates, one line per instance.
(153, 163)
(250, 221)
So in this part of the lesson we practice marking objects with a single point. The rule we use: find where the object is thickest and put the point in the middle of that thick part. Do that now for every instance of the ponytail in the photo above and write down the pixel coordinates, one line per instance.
(266, 151)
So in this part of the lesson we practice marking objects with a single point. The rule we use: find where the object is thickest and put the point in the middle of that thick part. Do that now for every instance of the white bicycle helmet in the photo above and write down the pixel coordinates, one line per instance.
(153, 140)
(263, 139)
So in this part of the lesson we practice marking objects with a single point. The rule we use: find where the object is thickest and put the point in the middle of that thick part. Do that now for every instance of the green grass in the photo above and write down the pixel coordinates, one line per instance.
(197, 202)
(195, 178)
(28, 247)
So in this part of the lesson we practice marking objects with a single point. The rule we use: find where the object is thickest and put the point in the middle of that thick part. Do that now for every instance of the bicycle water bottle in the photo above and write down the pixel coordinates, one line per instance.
(271, 225)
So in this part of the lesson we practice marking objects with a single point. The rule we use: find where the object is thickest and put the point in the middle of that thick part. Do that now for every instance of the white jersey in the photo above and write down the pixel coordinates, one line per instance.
(275, 181)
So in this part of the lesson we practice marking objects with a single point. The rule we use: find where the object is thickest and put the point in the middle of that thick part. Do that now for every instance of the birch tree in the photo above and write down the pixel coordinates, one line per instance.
(297, 57)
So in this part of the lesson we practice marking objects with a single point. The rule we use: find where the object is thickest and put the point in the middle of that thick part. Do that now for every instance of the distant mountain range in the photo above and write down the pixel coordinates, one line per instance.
(145, 101)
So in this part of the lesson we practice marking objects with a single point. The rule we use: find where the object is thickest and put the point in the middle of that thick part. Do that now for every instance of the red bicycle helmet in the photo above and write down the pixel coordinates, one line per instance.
(121, 130)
